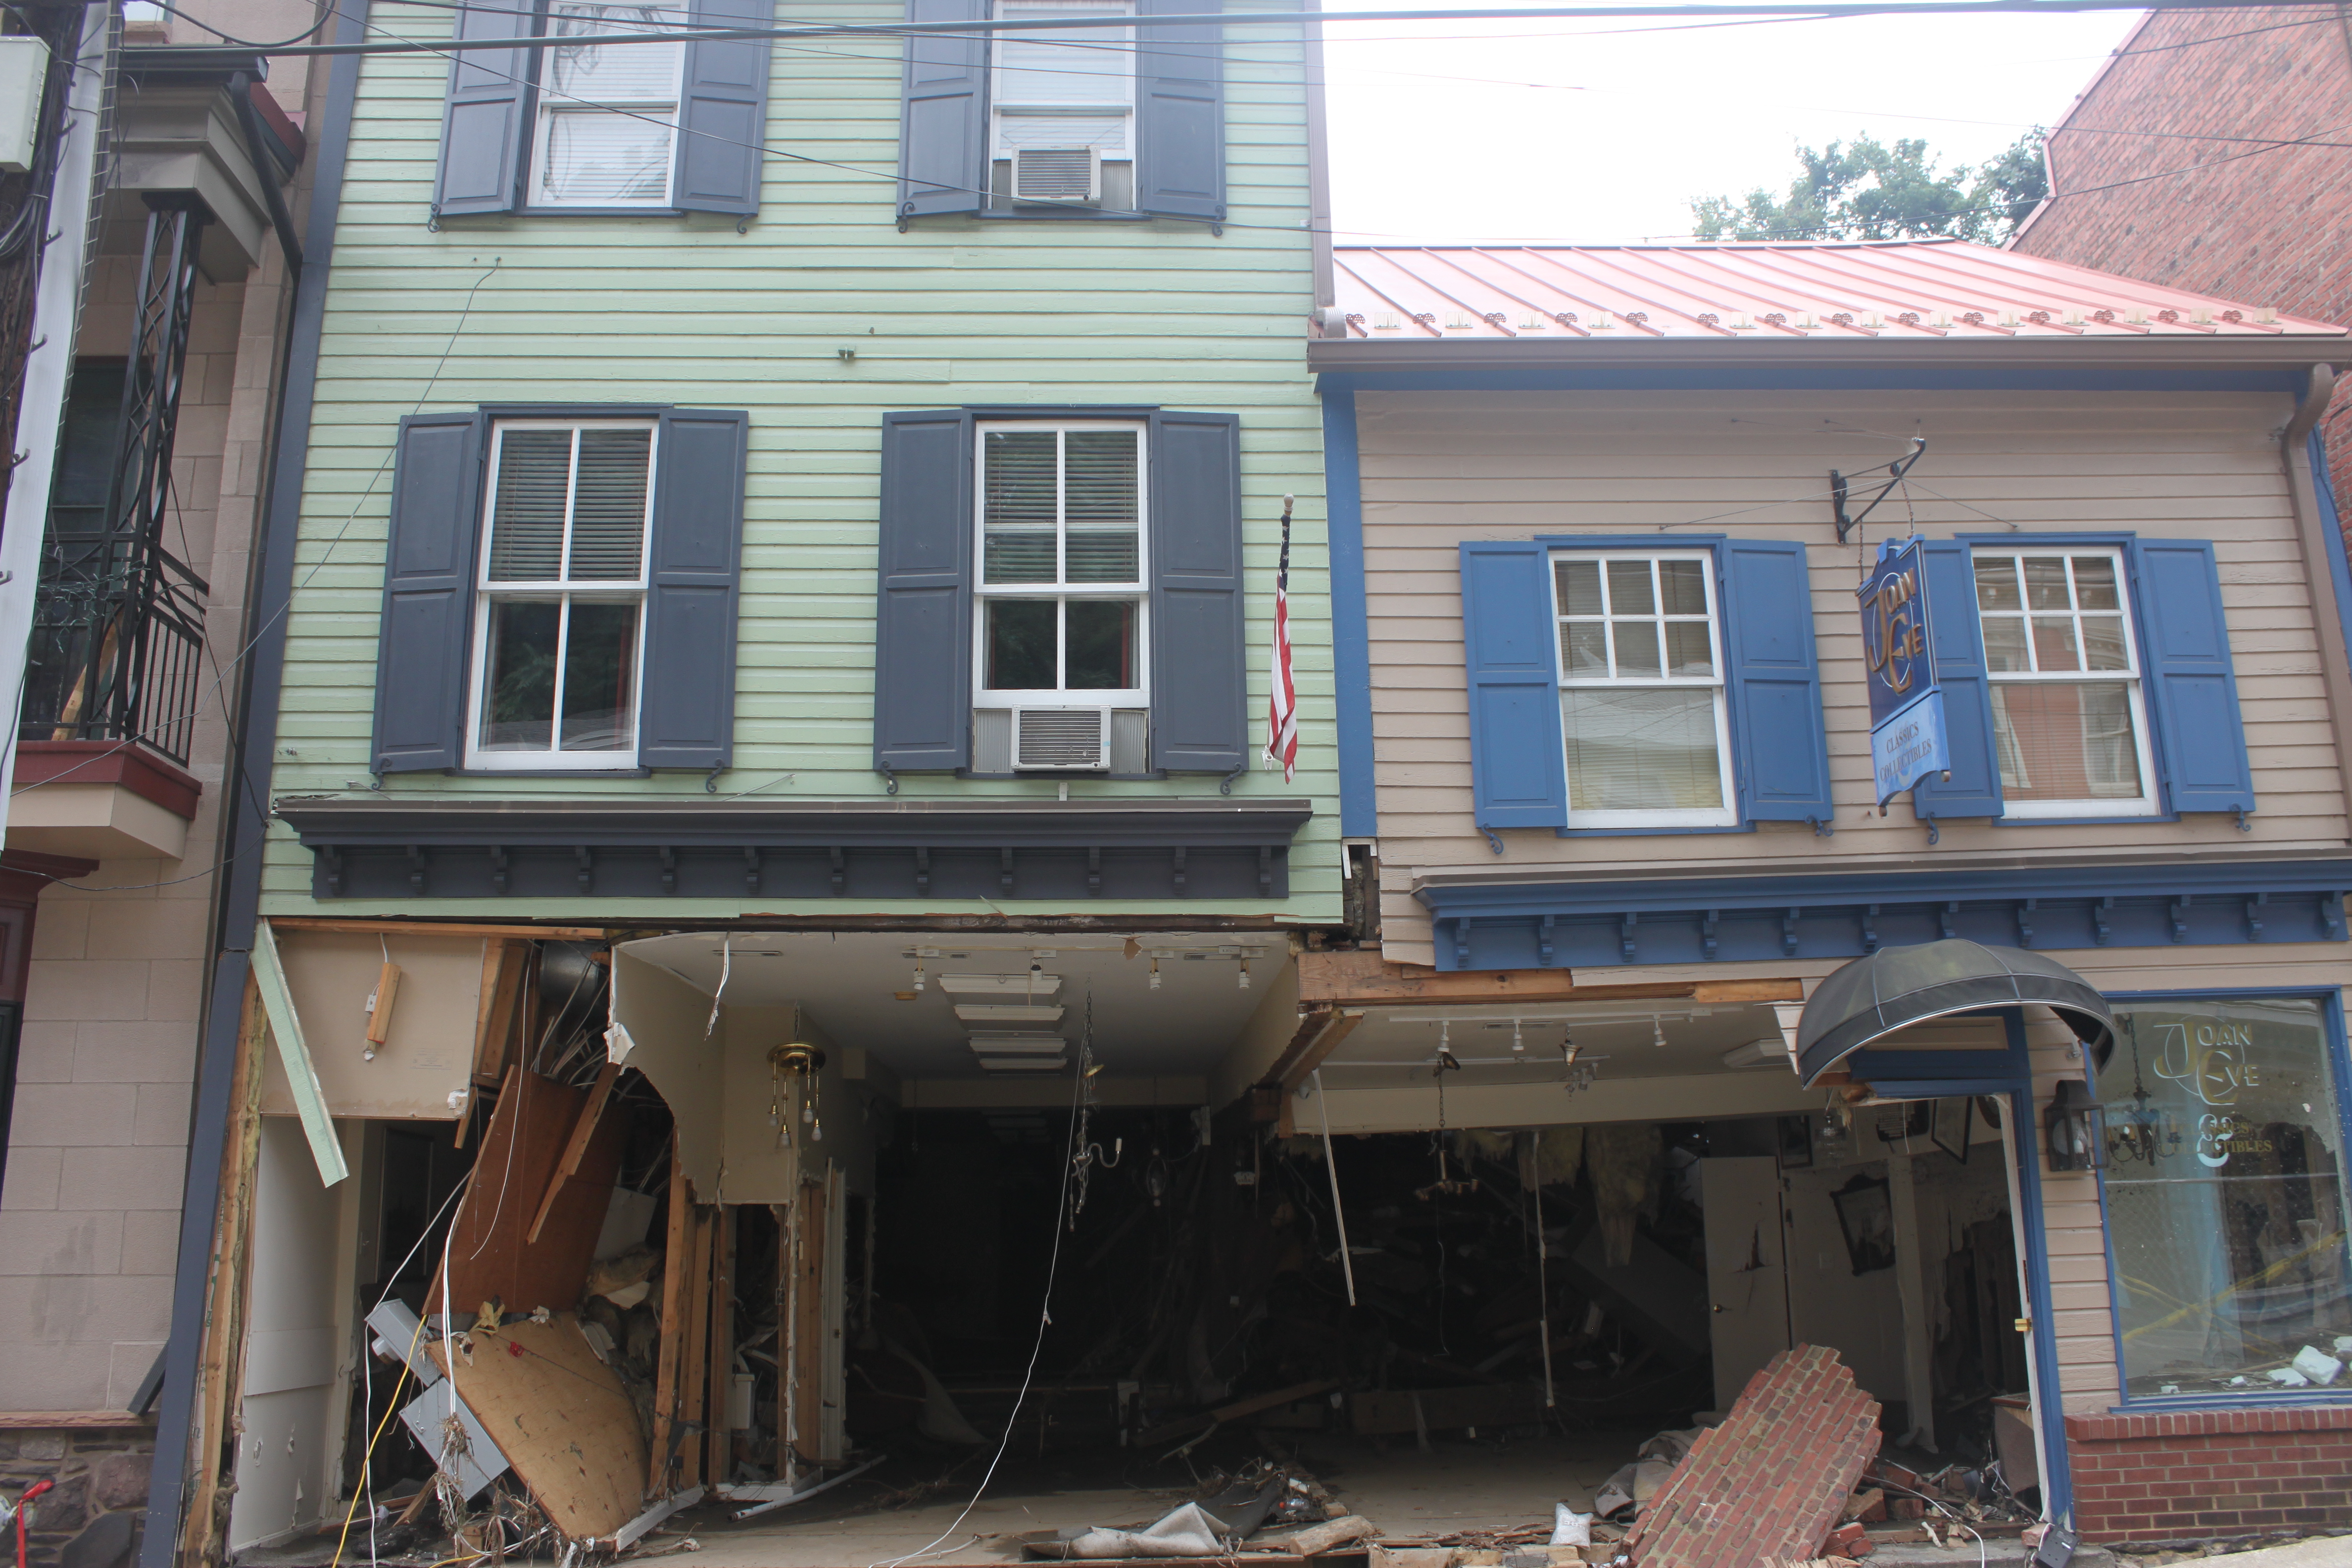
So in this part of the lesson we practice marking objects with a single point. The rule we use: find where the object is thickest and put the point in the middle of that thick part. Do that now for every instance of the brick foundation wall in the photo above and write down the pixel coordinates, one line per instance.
(99, 1497)
(2211, 1473)
(2272, 228)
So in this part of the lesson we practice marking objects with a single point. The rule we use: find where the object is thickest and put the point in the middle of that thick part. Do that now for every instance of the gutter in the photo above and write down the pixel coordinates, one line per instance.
(245, 824)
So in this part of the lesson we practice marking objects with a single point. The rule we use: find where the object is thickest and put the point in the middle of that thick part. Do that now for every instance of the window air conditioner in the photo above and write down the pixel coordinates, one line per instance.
(1061, 739)
(1071, 174)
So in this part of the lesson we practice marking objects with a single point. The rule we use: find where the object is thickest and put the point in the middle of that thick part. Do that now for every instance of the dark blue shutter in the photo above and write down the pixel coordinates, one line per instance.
(1772, 675)
(482, 118)
(1199, 721)
(1519, 769)
(1179, 114)
(425, 638)
(2193, 695)
(1970, 745)
(943, 130)
(725, 114)
(922, 633)
(686, 710)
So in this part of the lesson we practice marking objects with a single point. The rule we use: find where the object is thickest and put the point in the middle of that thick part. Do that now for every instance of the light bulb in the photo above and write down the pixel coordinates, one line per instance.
(1155, 974)
(1657, 1033)
(1243, 983)
(1519, 1046)
(918, 974)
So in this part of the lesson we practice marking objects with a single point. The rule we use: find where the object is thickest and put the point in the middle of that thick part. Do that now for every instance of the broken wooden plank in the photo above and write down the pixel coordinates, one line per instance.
(1296, 1070)
(1363, 978)
(437, 927)
(503, 960)
(379, 1010)
(562, 1417)
(694, 1364)
(592, 1110)
(1187, 1425)
(669, 1348)
(301, 1076)
(489, 1253)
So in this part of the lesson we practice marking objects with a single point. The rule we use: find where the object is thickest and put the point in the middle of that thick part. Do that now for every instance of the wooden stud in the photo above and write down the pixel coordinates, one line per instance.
(1364, 979)
(720, 1349)
(694, 1370)
(434, 928)
(808, 1327)
(592, 1110)
(673, 1307)
(220, 1366)
(387, 987)
(494, 1015)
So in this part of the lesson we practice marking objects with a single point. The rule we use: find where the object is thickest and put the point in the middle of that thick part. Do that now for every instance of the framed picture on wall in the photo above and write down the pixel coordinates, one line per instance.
(1865, 1211)
(1796, 1142)
(1949, 1127)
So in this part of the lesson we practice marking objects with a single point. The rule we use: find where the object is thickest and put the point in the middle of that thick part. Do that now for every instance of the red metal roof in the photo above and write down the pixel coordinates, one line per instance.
(1921, 289)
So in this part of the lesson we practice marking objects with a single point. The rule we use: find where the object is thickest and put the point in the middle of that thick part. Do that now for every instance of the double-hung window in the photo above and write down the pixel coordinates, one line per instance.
(674, 120)
(1642, 713)
(1062, 592)
(2069, 720)
(607, 119)
(1062, 107)
(559, 613)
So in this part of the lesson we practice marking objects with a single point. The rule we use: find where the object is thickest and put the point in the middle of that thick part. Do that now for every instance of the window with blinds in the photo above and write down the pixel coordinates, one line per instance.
(1062, 597)
(2070, 721)
(559, 618)
(1062, 106)
(607, 112)
(1640, 690)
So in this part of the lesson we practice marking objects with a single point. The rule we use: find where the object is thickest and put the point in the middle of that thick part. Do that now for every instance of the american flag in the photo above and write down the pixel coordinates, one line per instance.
(1282, 704)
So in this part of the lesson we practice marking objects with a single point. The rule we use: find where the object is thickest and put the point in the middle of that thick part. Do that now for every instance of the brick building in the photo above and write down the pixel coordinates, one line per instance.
(2186, 109)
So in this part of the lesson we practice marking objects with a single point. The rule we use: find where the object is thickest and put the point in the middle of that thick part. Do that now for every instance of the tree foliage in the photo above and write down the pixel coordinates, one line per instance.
(1866, 189)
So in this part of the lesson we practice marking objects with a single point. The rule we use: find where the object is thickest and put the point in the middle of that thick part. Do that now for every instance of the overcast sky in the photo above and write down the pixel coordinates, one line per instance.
(1595, 132)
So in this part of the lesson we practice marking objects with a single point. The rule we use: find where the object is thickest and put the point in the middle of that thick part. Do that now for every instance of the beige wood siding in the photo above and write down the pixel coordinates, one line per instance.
(1442, 468)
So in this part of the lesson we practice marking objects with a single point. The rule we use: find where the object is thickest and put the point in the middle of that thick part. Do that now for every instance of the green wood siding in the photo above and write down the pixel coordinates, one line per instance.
(685, 310)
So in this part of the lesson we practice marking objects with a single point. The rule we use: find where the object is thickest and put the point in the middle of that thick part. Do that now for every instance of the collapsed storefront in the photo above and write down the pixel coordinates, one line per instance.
(1107, 1222)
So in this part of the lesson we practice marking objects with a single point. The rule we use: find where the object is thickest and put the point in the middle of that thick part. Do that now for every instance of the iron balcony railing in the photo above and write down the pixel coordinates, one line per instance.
(118, 644)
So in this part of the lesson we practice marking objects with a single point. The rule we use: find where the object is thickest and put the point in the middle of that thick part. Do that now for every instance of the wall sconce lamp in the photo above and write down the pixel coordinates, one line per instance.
(2071, 1128)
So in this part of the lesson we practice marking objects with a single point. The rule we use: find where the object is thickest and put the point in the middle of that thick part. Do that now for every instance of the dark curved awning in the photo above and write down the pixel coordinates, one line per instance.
(1895, 986)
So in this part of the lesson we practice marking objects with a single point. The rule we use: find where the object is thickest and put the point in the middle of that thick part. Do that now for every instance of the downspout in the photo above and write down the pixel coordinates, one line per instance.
(244, 819)
(256, 147)
(2324, 564)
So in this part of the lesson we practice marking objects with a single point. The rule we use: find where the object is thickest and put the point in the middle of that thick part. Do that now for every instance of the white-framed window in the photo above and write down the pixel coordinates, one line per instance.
(607, 125)
(1062, 596)
(1640, 690)
(1062, 106)
(559, 617)
(2070, 721)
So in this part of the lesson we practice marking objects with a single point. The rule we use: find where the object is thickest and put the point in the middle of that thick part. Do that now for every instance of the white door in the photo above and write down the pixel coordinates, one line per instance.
(1747, 1271)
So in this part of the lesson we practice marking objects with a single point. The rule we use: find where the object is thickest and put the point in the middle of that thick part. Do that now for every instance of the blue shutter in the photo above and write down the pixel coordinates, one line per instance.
(1519, 771)
(923, 617)
(482, 131)
(1975, 787)
(426, 634)
(944, 119)
(1772, 674)
(725, 114)
(686, 713)
(1179, 114)
(2192, 696)
(1200, 703)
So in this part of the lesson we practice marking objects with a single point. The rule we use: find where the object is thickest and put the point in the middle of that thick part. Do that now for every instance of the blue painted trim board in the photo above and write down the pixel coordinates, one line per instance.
(1352, 644)
(2332, 524)
(2057, 1482)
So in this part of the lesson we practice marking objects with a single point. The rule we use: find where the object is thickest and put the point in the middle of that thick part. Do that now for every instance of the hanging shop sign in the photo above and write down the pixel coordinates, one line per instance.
(1906, 710)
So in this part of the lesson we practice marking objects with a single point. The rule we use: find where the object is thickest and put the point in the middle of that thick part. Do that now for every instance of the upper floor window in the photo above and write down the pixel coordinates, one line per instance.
(560, 591)
(559, 618)
(673, 123)
(1094, 117)
(2070, 721)
(1641, 695)
(1061, 581)
(608, 122)
(1063, 108)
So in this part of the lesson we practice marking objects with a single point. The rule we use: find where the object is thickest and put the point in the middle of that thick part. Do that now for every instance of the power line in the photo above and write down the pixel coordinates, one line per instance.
(1736, 9)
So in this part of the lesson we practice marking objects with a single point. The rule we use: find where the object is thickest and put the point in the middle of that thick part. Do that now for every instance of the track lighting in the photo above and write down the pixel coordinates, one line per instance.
(1155, 975)
(919, 973)
(1657, 1033)
(1243, 982)
(1519, 1046)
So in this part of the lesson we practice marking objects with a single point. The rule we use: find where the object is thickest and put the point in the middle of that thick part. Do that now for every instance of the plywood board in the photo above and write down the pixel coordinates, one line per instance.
(561, 1418)
(428, 1053)
(489, 1250)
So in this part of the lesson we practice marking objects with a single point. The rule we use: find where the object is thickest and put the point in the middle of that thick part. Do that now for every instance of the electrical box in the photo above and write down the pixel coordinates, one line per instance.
(24, 70)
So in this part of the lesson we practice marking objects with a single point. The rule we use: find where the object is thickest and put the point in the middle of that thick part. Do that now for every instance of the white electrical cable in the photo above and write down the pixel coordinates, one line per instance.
(1332, 1168)
(1045, 1321)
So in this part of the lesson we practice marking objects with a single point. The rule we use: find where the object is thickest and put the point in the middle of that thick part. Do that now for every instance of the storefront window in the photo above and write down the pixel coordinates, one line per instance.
(2225, 1199)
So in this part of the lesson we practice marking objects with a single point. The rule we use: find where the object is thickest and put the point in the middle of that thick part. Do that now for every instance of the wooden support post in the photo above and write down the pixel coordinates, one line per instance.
(721, 1356)
(673, 1320)
(387, 987)
(591, 1111)
(694, 1365)
(808, 1327)
(220, 1365)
